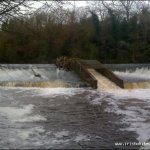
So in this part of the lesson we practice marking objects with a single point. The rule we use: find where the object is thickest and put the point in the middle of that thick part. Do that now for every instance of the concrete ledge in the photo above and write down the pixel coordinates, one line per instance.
(111, 76)
(80, 66)
(83, 73)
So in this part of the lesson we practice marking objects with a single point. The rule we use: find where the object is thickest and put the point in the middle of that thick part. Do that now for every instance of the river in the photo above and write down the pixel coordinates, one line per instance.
(63, 118)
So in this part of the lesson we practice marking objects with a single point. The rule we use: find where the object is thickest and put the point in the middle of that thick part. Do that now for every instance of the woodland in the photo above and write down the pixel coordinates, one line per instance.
(108, 31)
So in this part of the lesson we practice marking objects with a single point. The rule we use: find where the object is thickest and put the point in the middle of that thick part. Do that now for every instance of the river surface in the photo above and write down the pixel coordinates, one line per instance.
(72, 117)
(76, 118)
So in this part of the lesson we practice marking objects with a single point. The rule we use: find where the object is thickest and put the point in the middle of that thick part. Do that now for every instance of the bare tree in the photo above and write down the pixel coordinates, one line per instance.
(98, 8)
(20, 9)
(10, 8)
(141, 5)
(127, 5)
(121, 7)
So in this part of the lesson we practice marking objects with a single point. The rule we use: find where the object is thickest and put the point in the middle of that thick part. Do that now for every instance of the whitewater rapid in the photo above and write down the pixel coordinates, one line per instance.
(73, 117)
(61, 117)
(139, 74)
(132, 104)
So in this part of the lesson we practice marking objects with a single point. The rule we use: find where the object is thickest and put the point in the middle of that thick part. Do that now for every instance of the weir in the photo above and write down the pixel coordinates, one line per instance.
(134, 76)
(113, 76)
(37, 75)
(84, 73)
(97, 74)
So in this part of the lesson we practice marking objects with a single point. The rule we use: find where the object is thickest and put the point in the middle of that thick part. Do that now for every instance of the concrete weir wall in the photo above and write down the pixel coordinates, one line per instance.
(83, 73)
(81, 67)
(37, 75)
(134, 76)
(111, 76)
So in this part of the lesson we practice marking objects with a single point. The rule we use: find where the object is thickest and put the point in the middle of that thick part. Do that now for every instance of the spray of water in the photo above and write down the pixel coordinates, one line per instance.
(33, 76)
(138, 78)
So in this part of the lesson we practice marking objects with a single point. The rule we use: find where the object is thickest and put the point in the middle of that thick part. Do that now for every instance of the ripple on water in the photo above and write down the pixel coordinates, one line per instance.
(134, 105)
(69, 119)
(22, 114)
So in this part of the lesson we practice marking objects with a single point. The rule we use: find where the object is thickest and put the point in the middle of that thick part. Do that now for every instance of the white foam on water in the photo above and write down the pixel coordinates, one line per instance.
(18, 88)
(96, 101)
(61, 134)
(22, 74)
(28, 136)
(15, 112)
(25, 133)
(137, 118)
(142, 94)
(142, 129)
(60, 141)
(50, 74)
(136, 112)
(51, 139)
(81, 137)
(52, 92)
(133, 104)
(23, 114)
(15, 74)
(139, 73)
(4, 75)
(21, 90)
(33, 118)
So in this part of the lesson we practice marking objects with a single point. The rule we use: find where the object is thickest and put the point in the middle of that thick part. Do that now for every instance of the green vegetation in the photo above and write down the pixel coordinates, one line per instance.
(42, 37)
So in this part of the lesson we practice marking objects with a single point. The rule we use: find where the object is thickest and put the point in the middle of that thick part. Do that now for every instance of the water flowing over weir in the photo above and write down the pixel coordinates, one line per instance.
(134, 75)
(23, 75)
(65, 118)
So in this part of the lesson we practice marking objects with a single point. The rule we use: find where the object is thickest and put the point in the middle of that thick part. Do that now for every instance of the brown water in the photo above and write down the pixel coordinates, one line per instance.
(59, 118)
(137, 85)
(42, 118)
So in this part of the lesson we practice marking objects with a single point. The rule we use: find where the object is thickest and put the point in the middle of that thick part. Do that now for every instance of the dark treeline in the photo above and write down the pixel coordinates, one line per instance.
(44, 36)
